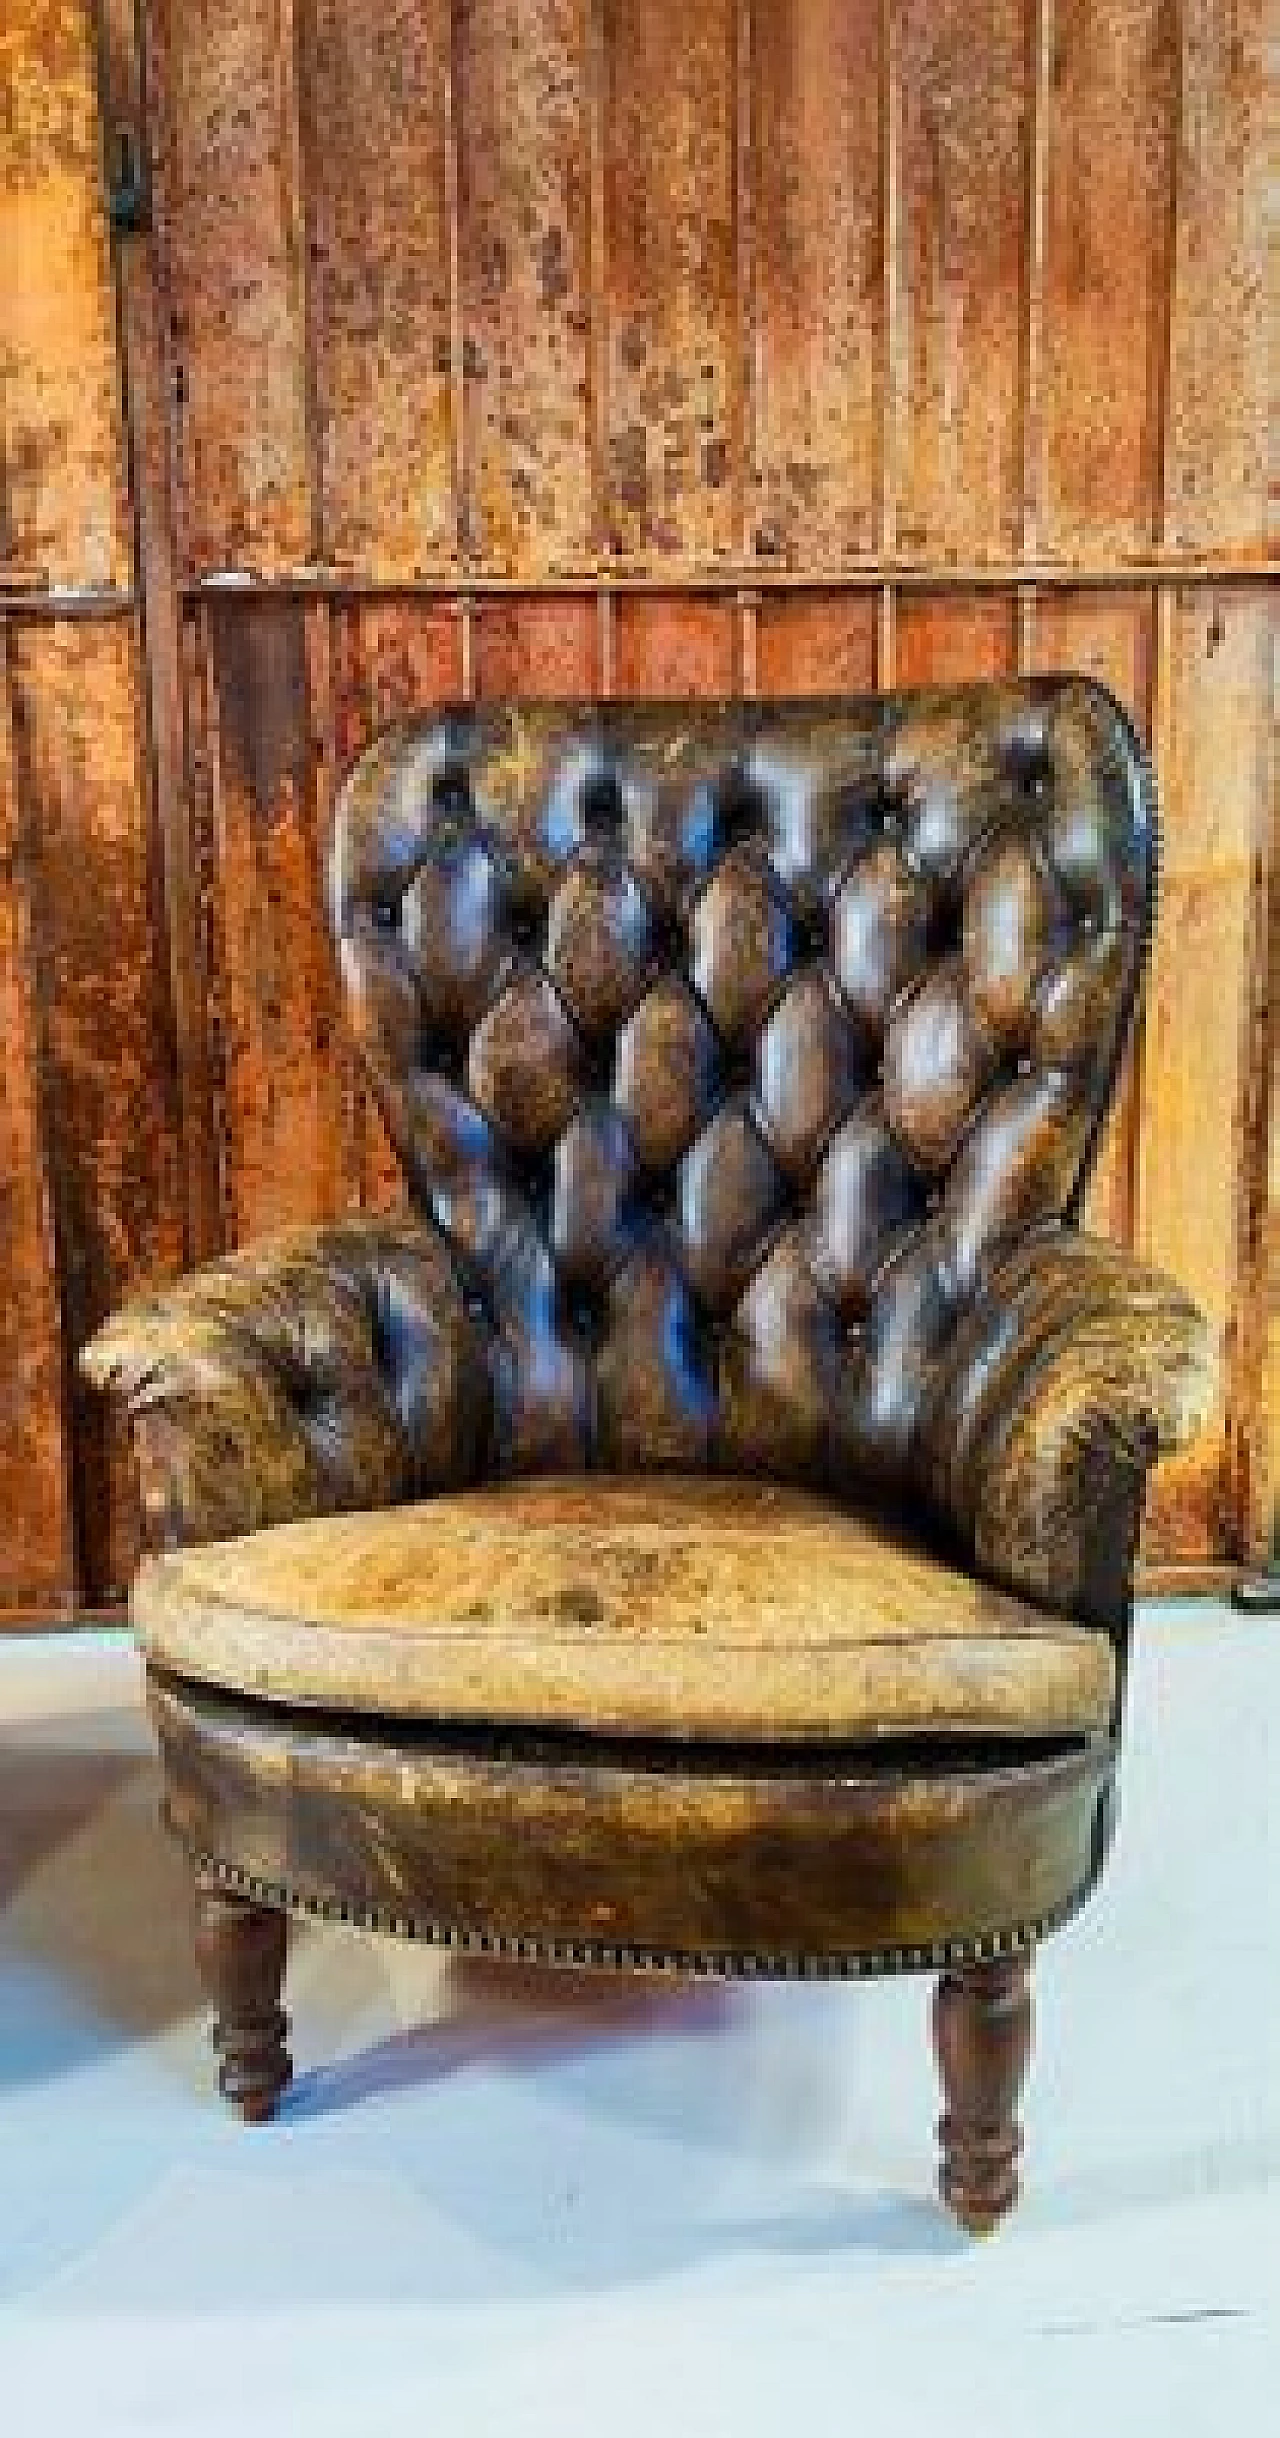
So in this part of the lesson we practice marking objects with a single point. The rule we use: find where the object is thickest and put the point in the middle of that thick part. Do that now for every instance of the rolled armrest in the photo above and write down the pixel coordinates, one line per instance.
(1074, 1369)
(332, 1368)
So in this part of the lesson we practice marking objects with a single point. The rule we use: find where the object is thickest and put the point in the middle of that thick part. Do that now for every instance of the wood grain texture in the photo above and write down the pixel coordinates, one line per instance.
(722, 1609)
(1113, 98)
(728, 1868)
(111, 1117)
(1192, 1212)
(942, 638)
(816, 644)
(673, 643)
(148, 364)
(956, 472)
(283, 1087)
(1265, 1524)
(982, 2036)
(373, 87)
(237, 281)
(526, 648)
(1223, 314)
(673, 399)
(35, 1488)
(817, 293)
(62, 484)
(240, 1955)
(524, 246)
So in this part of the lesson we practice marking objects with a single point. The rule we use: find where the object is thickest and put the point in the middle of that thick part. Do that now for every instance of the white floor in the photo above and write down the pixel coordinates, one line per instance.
(508, 2202)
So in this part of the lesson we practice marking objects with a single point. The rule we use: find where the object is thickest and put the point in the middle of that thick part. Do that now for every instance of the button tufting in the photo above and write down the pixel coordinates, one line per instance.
(712, 1033)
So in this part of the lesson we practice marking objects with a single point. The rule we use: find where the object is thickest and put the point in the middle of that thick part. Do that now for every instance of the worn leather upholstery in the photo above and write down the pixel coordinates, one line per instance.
(705, 1607)
(745, 1063)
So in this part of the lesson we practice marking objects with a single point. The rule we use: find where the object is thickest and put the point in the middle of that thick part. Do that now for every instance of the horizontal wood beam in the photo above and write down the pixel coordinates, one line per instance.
(744, 582)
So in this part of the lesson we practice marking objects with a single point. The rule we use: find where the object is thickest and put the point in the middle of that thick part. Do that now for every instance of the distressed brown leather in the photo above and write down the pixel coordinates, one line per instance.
(730, 1052)
(332, 1369)
(696, 1607)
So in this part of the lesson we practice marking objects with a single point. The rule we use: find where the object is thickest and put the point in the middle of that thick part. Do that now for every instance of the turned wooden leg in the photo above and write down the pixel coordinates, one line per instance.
(982, 2037)
(240, 1951)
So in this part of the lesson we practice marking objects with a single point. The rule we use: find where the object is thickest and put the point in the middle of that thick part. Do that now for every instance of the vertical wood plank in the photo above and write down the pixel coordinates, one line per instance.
(1192, 1205)
(677, 644)
(1264, 1523)
(200, 757)
(35, 1492)
(524, 203)
(113, 1150)
(283, 1080)
(1222, 344)
(1111, 136)
(673, 367)
(953, 638)
(237, 278)
(1110, 636)
(962, 231)
(141, 275)
(536, 647)
(372, 85)
(817, 288)
(78, 754)
(61, 434)
(816, 643)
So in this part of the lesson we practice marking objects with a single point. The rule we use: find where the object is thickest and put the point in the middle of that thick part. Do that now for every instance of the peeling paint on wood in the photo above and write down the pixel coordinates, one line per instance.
(372, 90)
(947, 638)
(1224, 294)
(237, 277)
(814, 157)
(111, 1116)
(62, 494)
(524, 243)
(673, 643)
(1192, 1209)
(1111, 132)
(962, 232)
(140, 274)
(673, 372)
(816, 643)
(577, 277)
(537, 647)
(38, 1565)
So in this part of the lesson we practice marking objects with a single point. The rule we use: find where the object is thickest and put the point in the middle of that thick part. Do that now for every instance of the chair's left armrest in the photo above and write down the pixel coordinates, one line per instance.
(332, 1368)
(1075, 1369)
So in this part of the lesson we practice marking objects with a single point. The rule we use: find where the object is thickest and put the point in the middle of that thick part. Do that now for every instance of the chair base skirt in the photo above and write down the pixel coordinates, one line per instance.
(785, 1861)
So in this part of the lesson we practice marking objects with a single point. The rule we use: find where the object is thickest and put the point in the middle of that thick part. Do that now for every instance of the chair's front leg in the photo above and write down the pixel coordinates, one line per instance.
(982, 2037)
(240, 1952)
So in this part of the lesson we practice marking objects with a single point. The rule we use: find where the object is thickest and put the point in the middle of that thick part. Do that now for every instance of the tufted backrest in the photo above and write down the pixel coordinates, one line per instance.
(728, 1044)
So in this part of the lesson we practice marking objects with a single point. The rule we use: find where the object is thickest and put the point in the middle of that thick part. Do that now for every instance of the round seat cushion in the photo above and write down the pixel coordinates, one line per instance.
(669, 1608)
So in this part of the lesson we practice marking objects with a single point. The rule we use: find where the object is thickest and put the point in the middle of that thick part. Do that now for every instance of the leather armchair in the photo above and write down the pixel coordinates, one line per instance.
(746, 1064)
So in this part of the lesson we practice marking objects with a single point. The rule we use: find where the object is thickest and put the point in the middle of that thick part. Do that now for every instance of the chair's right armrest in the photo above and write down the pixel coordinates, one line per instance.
(332, 1368)
(1076, 1367)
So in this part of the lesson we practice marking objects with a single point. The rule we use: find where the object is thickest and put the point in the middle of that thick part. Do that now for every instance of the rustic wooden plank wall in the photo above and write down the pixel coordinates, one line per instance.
(483, 347)
(84, 915)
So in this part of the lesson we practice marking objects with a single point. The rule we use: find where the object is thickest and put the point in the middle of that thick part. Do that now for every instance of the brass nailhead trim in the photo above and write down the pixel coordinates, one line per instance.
(700, 1963)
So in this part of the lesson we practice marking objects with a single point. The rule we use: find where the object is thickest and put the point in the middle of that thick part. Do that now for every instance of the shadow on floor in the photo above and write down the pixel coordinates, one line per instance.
(95, 1910)
(517, 2014)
